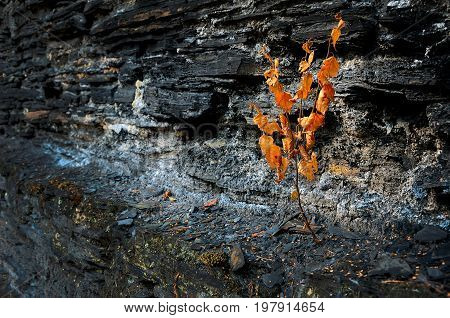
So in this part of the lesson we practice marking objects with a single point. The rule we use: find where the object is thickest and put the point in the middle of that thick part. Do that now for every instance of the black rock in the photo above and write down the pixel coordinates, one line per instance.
(335, 230)
(394, 267)
(430, 234)
(270, 280)
(287, 247)
(128, 214)
(398, 247)
(441, 251)
(435, 273)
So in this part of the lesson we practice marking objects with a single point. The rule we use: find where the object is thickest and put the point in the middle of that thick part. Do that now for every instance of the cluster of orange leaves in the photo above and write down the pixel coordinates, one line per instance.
(298, 139)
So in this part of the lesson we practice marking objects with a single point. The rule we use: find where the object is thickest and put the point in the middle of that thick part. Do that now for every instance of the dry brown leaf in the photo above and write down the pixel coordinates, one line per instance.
(273, 156)
(305, 86)
(310, 139)
(284, 101)
(285, 127)
(294, 195)
(263, 123)
(336, 32)
(325, 96)
(264, 143)
(258, 234)
(288, 145)
(303, 66)
(210, 203)
(281, 170)
(307, 46)
(303, 152)
(329, 68)
(312, 122)
(311, 58)
(307, 167)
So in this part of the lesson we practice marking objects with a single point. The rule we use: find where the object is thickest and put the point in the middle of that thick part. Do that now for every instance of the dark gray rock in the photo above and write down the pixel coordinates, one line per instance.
(394, 267)
(127, 214)
(270, 280)
(125, 222)
(435, 273)
(335, 230)
(430, 234)
(441, 251)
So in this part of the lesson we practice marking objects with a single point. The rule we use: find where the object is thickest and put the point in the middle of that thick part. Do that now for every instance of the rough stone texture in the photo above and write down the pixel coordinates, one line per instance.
(156, 92)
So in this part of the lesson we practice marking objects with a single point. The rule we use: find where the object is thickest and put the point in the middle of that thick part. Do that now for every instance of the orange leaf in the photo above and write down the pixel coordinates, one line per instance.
(312, 122)
(263, 123)
(273, 156)
(322, 103)
(294, 195)
(311, 57)
(264, 143)
(271, 151)
(276, 88)
(328, 91)
(285, 124)
(271, 73)
(307, 46)
(336, 32)
(281, 170)
(304, 65)
(288, 145)
(325, 96)
(329, 68)
(305, 86)
(303, 152)
(307, 167)
(283, 100)
(260, 120)
(310, 139)
(271, 127)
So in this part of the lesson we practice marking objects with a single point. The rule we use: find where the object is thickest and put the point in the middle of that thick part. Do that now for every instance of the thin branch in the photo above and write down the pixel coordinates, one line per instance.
(300, 208)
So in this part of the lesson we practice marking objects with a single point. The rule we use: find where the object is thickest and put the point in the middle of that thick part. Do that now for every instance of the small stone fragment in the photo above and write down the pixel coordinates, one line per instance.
(435, 273)
(430, 234)
(125, 222)
(393, 267)
(237, 260)
(128, 214)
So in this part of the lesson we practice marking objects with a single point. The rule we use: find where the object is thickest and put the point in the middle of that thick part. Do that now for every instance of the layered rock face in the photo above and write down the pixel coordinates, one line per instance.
(157, 92)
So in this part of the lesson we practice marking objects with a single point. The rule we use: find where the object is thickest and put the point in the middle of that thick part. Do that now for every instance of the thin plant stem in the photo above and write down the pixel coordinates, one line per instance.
(300, 207)
(329, 45)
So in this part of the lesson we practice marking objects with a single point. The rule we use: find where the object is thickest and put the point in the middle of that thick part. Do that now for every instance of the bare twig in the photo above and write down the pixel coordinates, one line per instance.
(300, 207)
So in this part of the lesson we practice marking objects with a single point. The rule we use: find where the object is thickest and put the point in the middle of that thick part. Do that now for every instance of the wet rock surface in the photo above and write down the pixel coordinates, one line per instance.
(106, 105)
